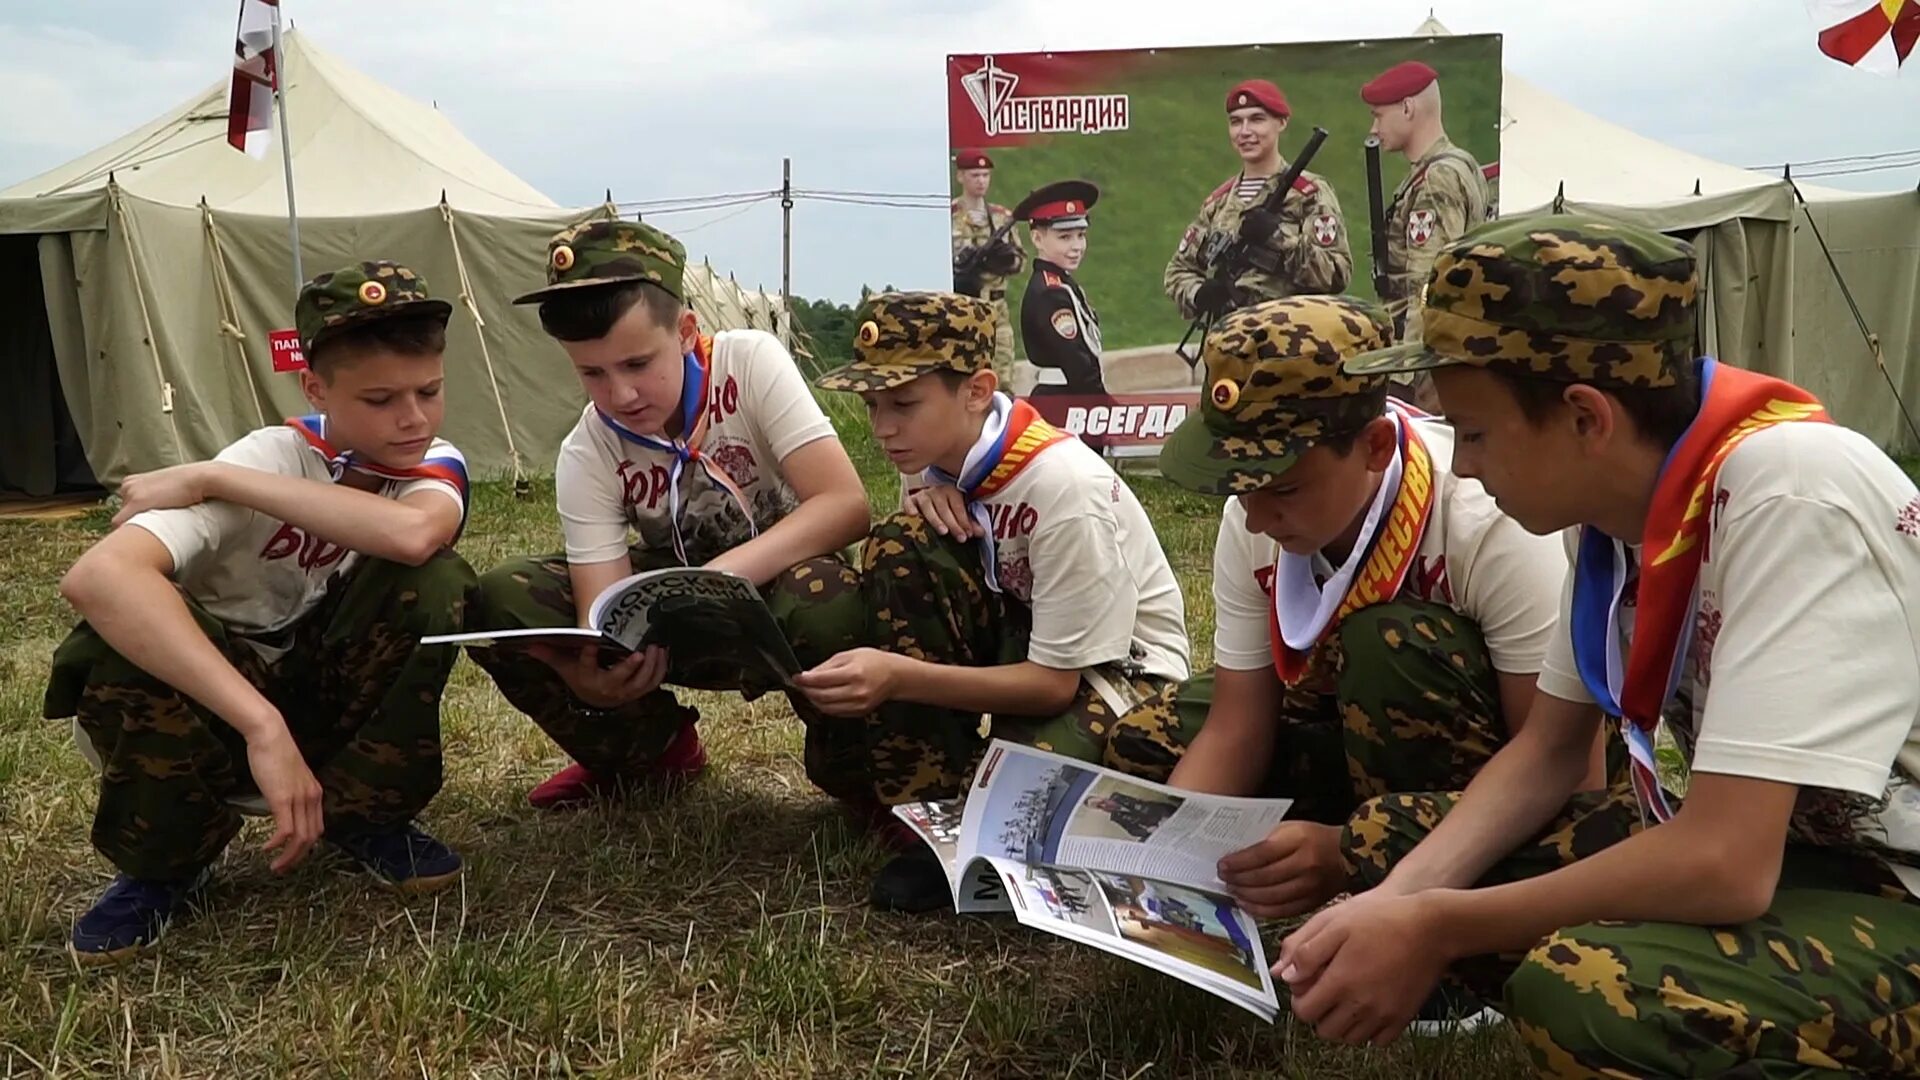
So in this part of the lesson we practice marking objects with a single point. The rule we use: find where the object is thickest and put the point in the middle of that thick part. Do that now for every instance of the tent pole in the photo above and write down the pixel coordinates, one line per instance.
(286, 148)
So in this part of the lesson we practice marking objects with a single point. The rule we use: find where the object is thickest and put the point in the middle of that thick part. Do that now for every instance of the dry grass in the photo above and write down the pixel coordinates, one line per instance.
(720, 932)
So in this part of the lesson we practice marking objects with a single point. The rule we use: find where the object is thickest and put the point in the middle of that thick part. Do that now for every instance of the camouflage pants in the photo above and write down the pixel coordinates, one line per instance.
(1415, 707)
(1826, 982)
(537, 591)
(922, 595)
(360, 697)
(1002, 340)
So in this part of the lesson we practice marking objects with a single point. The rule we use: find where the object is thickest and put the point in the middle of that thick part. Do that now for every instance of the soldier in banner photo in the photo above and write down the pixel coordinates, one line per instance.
(986, 251)
(1445, 192)
(1300, 249)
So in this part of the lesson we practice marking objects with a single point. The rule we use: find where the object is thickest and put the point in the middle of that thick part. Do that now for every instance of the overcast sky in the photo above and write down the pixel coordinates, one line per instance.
(657, 100)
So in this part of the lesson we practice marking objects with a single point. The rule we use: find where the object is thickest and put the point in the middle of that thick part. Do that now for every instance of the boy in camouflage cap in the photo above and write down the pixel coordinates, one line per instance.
(709, 447)
(1747, 571)
(252, 625)
(1020, 594)
(1379, 622)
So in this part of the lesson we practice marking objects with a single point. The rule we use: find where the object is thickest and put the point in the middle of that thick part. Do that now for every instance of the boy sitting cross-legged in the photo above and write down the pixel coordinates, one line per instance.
(1023, 595)
(712, 449)
(251, 625)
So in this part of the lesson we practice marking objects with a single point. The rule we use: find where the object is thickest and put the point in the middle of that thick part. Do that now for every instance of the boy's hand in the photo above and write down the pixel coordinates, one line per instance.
(294, 796)
(163, 489)
(633, 678)
(852, 683)
(1360, 970)
(1296, 869)
(946, 510)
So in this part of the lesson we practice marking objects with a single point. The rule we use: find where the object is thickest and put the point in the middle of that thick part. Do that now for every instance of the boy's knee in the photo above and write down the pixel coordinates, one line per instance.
(433, 597)
(526, 591)
(900, 535)
(1149, 740)
(1384, 829)
(1575, 1004)
(1411, 643)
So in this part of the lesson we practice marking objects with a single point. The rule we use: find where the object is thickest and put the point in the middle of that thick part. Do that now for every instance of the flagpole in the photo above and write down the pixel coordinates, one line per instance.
(286, 146)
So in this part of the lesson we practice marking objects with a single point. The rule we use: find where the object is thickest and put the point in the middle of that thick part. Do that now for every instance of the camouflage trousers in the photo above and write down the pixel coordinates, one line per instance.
(1415, 707)
(1002, 339)
(925, 596)
(537, 591)
(359, 695)
(1826, 982)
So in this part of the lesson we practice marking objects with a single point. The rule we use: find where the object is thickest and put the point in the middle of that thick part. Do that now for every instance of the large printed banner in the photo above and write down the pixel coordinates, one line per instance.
(1150, 130)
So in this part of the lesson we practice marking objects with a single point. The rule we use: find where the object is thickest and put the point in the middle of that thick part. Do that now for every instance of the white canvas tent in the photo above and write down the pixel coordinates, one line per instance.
(138, 282)
(1774, 303)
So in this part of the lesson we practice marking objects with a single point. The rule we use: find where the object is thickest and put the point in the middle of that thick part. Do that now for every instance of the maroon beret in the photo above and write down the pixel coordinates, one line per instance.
(1261, 93)
(1398, 83)
(972, 159)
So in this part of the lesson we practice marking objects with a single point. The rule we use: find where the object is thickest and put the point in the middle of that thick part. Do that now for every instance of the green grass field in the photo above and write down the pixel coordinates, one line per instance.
(1154, 175)
(721, 932)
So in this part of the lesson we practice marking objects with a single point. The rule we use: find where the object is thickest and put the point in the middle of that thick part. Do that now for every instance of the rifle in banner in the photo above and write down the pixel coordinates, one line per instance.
(971, 264)
(1229, 256)
(1377, 220)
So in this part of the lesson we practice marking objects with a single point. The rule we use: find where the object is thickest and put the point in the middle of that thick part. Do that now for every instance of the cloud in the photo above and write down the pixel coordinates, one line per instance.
(656, 100)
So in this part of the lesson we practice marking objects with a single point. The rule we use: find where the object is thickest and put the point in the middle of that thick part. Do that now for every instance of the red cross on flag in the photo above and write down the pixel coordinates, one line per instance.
(255, 75)
(1874, 35)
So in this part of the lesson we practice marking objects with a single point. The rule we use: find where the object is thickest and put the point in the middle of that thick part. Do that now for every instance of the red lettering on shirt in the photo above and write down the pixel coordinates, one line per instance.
(724, 401)
(1011, 521)
(639, 485)
(311, 552)
(1429, 579)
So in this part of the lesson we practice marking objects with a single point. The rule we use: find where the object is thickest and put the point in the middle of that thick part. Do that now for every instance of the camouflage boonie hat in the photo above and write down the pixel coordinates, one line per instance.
(361, 293)
(1274, 389)
(609, 252)
(904, 335)
(1573, 298)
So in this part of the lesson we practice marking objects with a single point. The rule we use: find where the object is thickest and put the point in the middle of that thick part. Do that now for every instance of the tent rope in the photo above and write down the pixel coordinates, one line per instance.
(1859, 320)
(134, 260)
(486, 355)
(229, 310)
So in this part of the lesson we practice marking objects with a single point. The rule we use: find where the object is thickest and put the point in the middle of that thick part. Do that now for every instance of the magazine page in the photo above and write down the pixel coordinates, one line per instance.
(553, 637)
(1040, 808)
(1200, 938)
(716, 629)
(975, 884)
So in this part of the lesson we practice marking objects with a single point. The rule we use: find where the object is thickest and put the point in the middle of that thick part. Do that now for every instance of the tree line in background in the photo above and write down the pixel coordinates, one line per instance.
(830, 326)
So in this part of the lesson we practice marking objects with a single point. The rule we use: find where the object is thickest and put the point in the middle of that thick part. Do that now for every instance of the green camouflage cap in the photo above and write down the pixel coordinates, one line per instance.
(1274, 389)
(361, 293)
(609, 252)
(1573, 298)
(904, 335)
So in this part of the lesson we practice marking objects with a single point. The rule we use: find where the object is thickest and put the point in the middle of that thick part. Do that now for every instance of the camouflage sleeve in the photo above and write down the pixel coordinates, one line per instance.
(1313, 242)
(1437, 215)
(1185, 274)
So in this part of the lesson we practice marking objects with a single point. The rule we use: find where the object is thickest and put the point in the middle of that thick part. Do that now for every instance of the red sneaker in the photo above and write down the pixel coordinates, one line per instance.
(574, 786)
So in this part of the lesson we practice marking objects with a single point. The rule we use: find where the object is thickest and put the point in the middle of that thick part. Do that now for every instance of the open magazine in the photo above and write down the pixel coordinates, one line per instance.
(1117, 863)
(714, 625)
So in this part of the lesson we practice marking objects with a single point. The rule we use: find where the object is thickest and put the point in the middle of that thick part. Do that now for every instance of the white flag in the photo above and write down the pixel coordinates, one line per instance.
(255, 77)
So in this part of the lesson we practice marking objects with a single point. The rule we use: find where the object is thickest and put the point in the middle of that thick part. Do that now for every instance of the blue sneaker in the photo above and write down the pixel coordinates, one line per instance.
(405, 859)
(130, 916)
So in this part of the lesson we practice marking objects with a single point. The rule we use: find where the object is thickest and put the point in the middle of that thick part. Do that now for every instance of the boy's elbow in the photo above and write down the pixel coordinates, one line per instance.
(418, 547)
(77, 585)
(1062, 687)
(1743, 885)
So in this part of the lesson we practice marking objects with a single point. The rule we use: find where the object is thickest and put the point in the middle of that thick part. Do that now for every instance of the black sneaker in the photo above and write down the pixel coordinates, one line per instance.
(405, 859)
(1449, 1010)
(130, 916)
(914, 883)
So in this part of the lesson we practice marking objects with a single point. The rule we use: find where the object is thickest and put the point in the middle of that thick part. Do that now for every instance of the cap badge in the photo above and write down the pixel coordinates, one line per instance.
(869, 333)
(372, 293)
(1225, 394)
(562, 258)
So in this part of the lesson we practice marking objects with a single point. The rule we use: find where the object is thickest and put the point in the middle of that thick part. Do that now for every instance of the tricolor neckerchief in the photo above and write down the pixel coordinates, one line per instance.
(1303, 615)
(443, 461)
(1012, 436)
(693, 428)
(1733, 405)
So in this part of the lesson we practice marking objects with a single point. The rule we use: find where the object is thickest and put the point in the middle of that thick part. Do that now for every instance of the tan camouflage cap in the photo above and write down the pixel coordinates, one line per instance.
(361, 293)
(1573, 298)
(1274, 389)
(904, 335)
(609, 252)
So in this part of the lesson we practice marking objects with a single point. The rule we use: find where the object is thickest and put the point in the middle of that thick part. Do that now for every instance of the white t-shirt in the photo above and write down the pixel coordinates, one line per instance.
(1805, 661)
(759, 411)
(1073, 543)
(1472, 558)
(256, 574)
